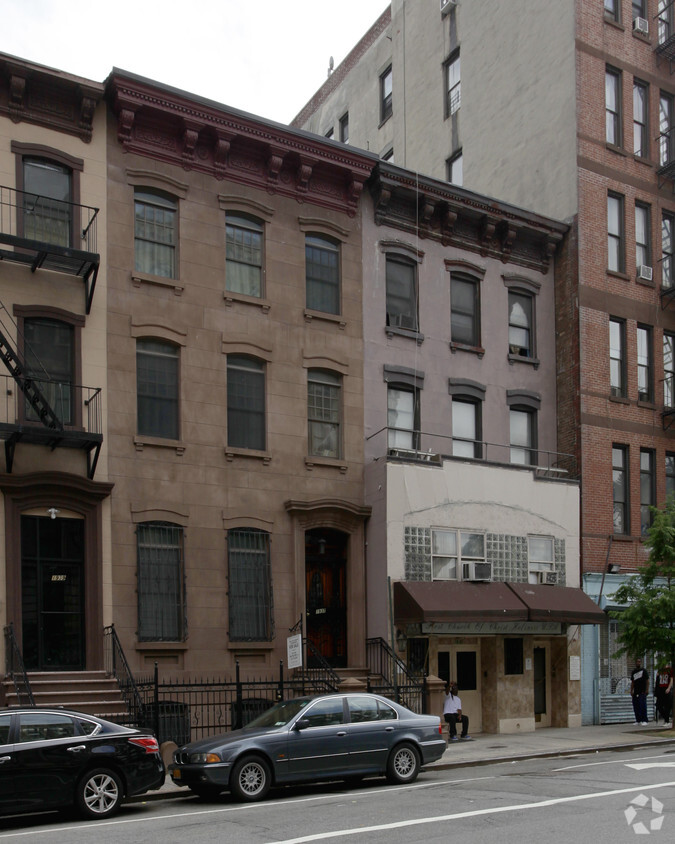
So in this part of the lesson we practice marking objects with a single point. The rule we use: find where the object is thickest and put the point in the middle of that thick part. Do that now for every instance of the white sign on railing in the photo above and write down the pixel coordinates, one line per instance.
(294, 651)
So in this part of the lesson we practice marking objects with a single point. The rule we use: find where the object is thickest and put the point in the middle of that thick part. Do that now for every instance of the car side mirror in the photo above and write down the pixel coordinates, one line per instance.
(301, 724)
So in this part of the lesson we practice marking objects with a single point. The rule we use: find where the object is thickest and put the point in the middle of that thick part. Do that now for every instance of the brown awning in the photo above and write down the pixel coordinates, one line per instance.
(461, 601)
(558, 603)
(447, 600)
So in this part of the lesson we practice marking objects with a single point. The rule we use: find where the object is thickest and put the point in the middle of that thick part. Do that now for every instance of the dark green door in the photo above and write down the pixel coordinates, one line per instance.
(52, 590)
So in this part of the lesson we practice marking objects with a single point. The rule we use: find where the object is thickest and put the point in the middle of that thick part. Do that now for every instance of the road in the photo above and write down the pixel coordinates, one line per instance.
(598, 798)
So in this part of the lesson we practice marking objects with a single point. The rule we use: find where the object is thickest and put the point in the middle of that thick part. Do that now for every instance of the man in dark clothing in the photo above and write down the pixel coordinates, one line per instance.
(639, 683)
(663, 692)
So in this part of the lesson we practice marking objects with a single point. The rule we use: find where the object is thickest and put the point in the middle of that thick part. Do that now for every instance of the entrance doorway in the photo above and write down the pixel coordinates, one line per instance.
(542, 690)
(461, 664)
(52, 593)
(326, 604)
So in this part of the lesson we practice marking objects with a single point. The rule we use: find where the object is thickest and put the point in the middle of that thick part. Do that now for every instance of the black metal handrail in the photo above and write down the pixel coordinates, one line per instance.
(15, 668)
(322, 677)
(116, 666)
(397, 681)
(45, 220)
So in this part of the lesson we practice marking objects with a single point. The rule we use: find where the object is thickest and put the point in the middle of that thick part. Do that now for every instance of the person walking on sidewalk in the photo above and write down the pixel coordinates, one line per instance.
(639, 686)
(452, 712)
(663, 692)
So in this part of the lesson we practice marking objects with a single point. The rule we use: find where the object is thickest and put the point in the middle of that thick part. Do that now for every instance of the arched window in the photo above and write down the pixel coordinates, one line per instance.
(244, 255)
(324, 413)
(155, 232)
(322, 273)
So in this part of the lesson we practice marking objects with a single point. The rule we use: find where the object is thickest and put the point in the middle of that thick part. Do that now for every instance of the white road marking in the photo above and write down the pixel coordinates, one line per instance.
(475, 813)
(238, 808)
(641, 766)
(594, 764)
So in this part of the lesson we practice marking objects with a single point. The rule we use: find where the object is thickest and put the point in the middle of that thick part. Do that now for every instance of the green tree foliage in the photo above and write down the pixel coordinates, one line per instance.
(648, 620)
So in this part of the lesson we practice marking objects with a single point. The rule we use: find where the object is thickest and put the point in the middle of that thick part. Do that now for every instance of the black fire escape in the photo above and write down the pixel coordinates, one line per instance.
(37, 232)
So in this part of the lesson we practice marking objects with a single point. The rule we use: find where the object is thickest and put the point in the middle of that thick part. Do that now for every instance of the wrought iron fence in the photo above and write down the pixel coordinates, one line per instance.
(15, 668)
(389, 676)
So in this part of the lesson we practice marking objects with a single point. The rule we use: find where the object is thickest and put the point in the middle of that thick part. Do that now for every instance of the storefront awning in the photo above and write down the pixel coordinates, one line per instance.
(446, 600)
(458, 601)
(558, 603)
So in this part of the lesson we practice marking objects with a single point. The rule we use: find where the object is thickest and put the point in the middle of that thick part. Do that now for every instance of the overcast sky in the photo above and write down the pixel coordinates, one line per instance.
(263, 56)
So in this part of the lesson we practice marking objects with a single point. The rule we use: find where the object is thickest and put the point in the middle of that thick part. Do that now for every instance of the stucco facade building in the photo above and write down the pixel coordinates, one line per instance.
(565, 108)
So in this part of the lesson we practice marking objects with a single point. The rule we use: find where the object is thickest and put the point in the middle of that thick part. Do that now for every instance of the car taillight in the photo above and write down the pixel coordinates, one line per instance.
(149, 744)
(440, 729)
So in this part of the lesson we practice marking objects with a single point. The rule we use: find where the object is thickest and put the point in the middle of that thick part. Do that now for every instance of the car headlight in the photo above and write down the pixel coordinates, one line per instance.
(204, 758)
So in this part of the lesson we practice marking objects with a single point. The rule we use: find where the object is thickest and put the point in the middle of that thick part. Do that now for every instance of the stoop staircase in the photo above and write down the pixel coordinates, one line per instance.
(94, 692)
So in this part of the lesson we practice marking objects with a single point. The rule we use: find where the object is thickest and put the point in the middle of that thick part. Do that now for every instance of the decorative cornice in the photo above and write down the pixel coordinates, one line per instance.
(454, 216)
(35, 94)
(168, 125)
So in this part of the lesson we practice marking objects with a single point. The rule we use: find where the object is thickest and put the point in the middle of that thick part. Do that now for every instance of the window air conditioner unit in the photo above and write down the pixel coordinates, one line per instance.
(446, 5)
(477, 571)
(401, 321)
(639, 25)
(550, 577)
(644, 272)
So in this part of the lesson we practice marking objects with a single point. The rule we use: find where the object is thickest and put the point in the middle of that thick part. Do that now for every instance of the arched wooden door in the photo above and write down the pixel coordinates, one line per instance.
(326, 595)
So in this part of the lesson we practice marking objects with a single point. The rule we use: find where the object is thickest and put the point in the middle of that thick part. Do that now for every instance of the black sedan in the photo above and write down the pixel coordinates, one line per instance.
(347, 737)
(56, 758)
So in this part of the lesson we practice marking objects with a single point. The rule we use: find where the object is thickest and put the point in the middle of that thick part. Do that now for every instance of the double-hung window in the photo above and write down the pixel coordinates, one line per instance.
(466, 428)
(612, 8)
(616, 251)
(344, 128)
(245, 402)
(540, 559)
(458, 554)
(666, 139)
(401, 292)
(453, 88)
(617, 357)
(620, 489)
(324, 413)
(161, 582)
(521, 338)
(667, 262)
(155, 233)
(465, 311)
(613, 111)
(641, 119)
(47, 202)
(523, 435)
(670, 474)
(49, 355)
(645, 366)
(403, 417)
(668, 370)
(664, 20)
(647, 489)
(157, 388)
(243, 255)
(322, 274)
(455, 169)
(250, 585)
(386, 95)
(643, 252)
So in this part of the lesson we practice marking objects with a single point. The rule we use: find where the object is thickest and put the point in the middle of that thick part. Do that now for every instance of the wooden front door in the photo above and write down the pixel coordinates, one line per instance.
(326, 602)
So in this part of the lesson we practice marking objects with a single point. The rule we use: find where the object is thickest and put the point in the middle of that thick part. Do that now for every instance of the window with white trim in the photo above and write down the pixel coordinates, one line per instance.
(458, 555)
(540, 559)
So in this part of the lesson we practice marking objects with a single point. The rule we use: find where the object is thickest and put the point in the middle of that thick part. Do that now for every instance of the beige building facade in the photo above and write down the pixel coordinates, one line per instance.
(55, 553)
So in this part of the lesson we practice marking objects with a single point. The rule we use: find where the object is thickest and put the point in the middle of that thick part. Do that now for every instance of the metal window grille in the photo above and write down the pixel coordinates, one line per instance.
(161, 583)
(250, 586)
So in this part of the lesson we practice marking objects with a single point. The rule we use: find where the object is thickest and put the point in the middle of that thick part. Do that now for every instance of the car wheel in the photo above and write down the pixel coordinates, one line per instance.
(251, 778)
(99, 793)
(403, 764)
(206, 792)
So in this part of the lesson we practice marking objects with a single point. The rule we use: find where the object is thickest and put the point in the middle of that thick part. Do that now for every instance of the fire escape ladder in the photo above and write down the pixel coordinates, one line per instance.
(28, 387)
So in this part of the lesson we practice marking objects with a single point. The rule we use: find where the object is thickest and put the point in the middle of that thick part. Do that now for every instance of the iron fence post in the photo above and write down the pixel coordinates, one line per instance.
(156, 706)
(280, 688)
(239, 702)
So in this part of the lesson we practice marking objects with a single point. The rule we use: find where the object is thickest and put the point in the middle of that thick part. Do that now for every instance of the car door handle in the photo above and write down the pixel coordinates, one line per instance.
(389, 729)
(342, 733)
(76, 749)
(5, 759)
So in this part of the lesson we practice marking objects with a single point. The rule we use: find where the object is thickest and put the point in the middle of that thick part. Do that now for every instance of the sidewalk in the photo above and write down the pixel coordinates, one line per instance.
(488, 748)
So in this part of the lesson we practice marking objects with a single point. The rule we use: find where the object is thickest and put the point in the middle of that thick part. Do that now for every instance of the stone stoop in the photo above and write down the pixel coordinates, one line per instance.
(93, 692)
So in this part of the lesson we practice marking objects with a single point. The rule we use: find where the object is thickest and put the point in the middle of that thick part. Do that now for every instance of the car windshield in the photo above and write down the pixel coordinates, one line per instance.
(279, 715)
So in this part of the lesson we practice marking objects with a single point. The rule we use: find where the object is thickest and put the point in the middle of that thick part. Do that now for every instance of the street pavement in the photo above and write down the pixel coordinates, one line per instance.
(486, 748)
